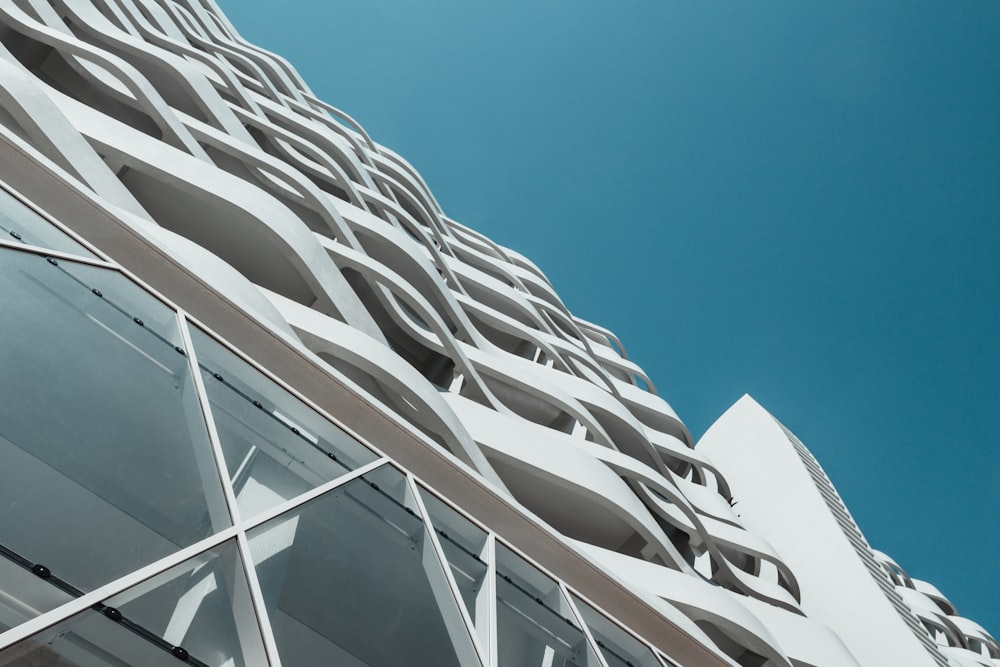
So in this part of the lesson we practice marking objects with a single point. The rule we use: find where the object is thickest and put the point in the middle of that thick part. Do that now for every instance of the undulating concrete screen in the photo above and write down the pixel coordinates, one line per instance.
(262, 402)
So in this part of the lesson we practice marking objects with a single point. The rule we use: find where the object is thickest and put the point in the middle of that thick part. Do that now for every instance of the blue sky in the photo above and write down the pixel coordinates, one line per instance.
(796, 200)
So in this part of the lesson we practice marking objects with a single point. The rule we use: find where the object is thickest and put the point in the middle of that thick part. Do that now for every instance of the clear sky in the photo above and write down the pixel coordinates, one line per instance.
(797, 200)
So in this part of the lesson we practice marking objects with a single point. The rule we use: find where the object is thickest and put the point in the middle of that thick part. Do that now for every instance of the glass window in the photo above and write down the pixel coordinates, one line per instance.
(348, 579)
(275, 446)
(21, 224)
(23, 594)
(619, 648)
(105, 464)
(199, 611)
(535, 626)
(463, 543)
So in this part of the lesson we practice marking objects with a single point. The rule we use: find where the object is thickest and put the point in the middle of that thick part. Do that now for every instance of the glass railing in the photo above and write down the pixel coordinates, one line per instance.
(164, 499)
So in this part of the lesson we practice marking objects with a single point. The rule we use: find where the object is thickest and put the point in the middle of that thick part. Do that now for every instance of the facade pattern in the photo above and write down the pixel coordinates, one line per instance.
(877, 568)
(880, 613)
(931, 617)
(247, 527)
(168, 494)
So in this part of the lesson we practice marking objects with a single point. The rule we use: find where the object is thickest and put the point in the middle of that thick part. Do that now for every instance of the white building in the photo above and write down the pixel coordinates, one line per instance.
(881, 614)
(263, 402)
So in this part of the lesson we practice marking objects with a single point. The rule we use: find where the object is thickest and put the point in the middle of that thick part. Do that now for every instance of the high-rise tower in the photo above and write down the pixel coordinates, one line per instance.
(263, 402)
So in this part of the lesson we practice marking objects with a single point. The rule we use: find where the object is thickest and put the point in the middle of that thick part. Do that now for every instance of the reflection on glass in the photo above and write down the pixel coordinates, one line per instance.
(24, 595)
(535, 626)
(462, 543)
(619, 648)
(21, 224)
(350, 579)
(104, 458)
(89, 639)
(275, 446)
(199, 611)
(202, 605)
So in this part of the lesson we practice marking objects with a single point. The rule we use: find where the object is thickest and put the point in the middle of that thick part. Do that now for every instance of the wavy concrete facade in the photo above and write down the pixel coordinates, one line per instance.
(205, 170)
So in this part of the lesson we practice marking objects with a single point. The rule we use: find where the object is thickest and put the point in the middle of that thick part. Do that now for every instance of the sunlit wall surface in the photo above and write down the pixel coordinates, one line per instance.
(163, 496)
(862, 594)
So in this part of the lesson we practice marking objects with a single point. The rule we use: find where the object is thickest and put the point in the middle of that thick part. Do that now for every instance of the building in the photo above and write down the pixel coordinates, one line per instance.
(263, 402)
(880, 613)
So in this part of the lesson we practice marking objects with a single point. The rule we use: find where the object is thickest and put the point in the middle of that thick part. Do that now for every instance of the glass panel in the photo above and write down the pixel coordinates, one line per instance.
(89, 639)
(349, 580)
(23, 594)
(275, 446)
(203, 606)
(619, 648)
(535, 626)
(199, 611)
(105, 464)
(462, 543)
(20, 223)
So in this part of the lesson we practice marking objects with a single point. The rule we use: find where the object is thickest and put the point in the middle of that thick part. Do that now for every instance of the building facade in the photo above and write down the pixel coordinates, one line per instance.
(883, 616)
(263, 402)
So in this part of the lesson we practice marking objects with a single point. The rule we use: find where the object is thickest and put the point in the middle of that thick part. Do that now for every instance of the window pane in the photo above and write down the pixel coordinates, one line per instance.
(462, 543)
(24, 595)
(104, 457)
(348, 580)
(89, 639)
(21, 224)
(534, 620)
(275, 446)
(199, 611)
(203, 606)
(619, 648)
